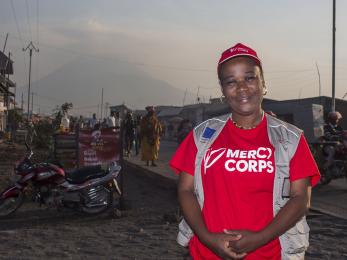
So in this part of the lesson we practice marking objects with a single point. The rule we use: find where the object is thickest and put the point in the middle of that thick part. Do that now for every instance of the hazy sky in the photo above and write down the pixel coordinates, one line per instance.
(177, 42)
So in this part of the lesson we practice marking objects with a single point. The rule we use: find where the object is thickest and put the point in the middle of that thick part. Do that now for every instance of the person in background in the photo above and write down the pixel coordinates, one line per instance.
(183, 130)
(81, 122)
(129, 132)
(14, 127)
(150, 137)
(163, 129)
(111, 120)
(104, 123)
(93, 121)
(170, 130)
(238, 199)
(118, 120)
(73, 124)
(138, 134)
(333, 132)
(65, 123)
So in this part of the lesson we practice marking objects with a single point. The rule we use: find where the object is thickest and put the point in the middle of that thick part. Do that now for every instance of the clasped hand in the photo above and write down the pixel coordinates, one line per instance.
(219, 243)
(249, 241)
(233, 244)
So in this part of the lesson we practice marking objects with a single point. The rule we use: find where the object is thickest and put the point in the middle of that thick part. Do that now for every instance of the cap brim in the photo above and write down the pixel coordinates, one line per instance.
(239, 55)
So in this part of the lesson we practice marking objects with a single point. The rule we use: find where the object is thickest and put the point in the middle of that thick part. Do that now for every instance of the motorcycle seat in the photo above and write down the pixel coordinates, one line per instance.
(81, 175)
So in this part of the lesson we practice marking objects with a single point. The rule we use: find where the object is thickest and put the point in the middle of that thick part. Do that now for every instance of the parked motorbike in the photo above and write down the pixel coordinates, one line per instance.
(89, 189)
(338, 168)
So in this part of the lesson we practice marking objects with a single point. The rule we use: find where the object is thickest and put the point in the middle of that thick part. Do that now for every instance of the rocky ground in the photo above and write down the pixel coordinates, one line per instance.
(146, 229)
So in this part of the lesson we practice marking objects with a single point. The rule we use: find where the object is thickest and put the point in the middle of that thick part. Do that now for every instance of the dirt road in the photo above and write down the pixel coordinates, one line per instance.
(146, 231)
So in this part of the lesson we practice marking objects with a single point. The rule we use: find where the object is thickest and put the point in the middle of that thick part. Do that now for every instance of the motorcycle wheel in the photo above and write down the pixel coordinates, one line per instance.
(10, 204)
(96, 200)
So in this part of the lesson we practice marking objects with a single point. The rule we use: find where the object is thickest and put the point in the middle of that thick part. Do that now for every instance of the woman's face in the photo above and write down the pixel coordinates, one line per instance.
(242, 85)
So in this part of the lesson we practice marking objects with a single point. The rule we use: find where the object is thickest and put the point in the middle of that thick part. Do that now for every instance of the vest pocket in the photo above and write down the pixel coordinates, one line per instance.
(283, 184)
(296, 239)
(184, 233)
(285, 188)
(300, 227)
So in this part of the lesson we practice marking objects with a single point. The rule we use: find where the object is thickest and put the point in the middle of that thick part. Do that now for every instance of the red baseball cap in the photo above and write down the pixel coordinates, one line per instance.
(238, 50)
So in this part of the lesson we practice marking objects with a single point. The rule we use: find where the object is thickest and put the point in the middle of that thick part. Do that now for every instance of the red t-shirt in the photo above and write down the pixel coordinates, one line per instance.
(238, 177)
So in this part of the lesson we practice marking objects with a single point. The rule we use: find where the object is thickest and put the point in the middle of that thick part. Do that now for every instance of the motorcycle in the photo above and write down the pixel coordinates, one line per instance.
(338, 167)
(89, 189)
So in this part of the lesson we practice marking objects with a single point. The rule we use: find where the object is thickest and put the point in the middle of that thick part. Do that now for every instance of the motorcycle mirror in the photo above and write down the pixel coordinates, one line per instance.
(27, 146)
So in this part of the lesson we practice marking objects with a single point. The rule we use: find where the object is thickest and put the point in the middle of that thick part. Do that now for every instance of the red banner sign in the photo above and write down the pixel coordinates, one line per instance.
(99, 147)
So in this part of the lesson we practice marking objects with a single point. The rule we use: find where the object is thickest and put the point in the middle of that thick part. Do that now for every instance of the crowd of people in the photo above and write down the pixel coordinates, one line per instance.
(140, 133)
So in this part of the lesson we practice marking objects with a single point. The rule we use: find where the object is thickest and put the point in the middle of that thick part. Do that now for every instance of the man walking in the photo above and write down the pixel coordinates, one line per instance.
(150, 137)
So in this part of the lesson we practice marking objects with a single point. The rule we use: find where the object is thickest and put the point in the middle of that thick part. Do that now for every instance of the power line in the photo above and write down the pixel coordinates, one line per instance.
(28, 19)
(18, 31)
(37, 21)
(16, 21)
(38, 46)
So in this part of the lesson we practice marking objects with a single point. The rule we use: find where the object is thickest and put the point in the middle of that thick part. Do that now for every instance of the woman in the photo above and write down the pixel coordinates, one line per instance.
(245, 182)
(150, 137)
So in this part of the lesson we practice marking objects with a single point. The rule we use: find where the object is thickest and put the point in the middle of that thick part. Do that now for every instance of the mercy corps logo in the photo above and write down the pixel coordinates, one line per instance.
(254, 161)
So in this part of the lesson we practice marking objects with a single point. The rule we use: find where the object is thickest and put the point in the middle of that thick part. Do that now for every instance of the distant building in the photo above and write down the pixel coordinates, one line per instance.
(308, 113)
(170, 118)
(122, 109)
(6, 94)
(139, 112)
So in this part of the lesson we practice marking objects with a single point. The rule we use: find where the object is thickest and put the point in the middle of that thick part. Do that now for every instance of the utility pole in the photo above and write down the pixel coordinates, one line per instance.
(15, 96)
(333, 69)
(107, 105)
(7, 98)
(32, 103)
(30, 47)
(320, 86)
(22, 102)
(8, 62)
(102, 102)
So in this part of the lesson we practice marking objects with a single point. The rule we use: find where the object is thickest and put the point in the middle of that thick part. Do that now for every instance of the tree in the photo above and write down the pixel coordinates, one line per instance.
(14, 117)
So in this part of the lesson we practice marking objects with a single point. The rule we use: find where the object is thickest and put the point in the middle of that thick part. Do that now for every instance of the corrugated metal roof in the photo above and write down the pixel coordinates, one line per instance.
(171, 111)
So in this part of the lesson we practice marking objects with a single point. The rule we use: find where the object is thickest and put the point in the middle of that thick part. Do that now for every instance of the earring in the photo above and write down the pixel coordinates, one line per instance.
(264, 91)
(222, 97)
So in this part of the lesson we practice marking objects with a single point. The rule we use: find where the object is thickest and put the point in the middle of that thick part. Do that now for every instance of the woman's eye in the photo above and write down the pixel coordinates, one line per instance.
(250, 78)
(231, 83)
